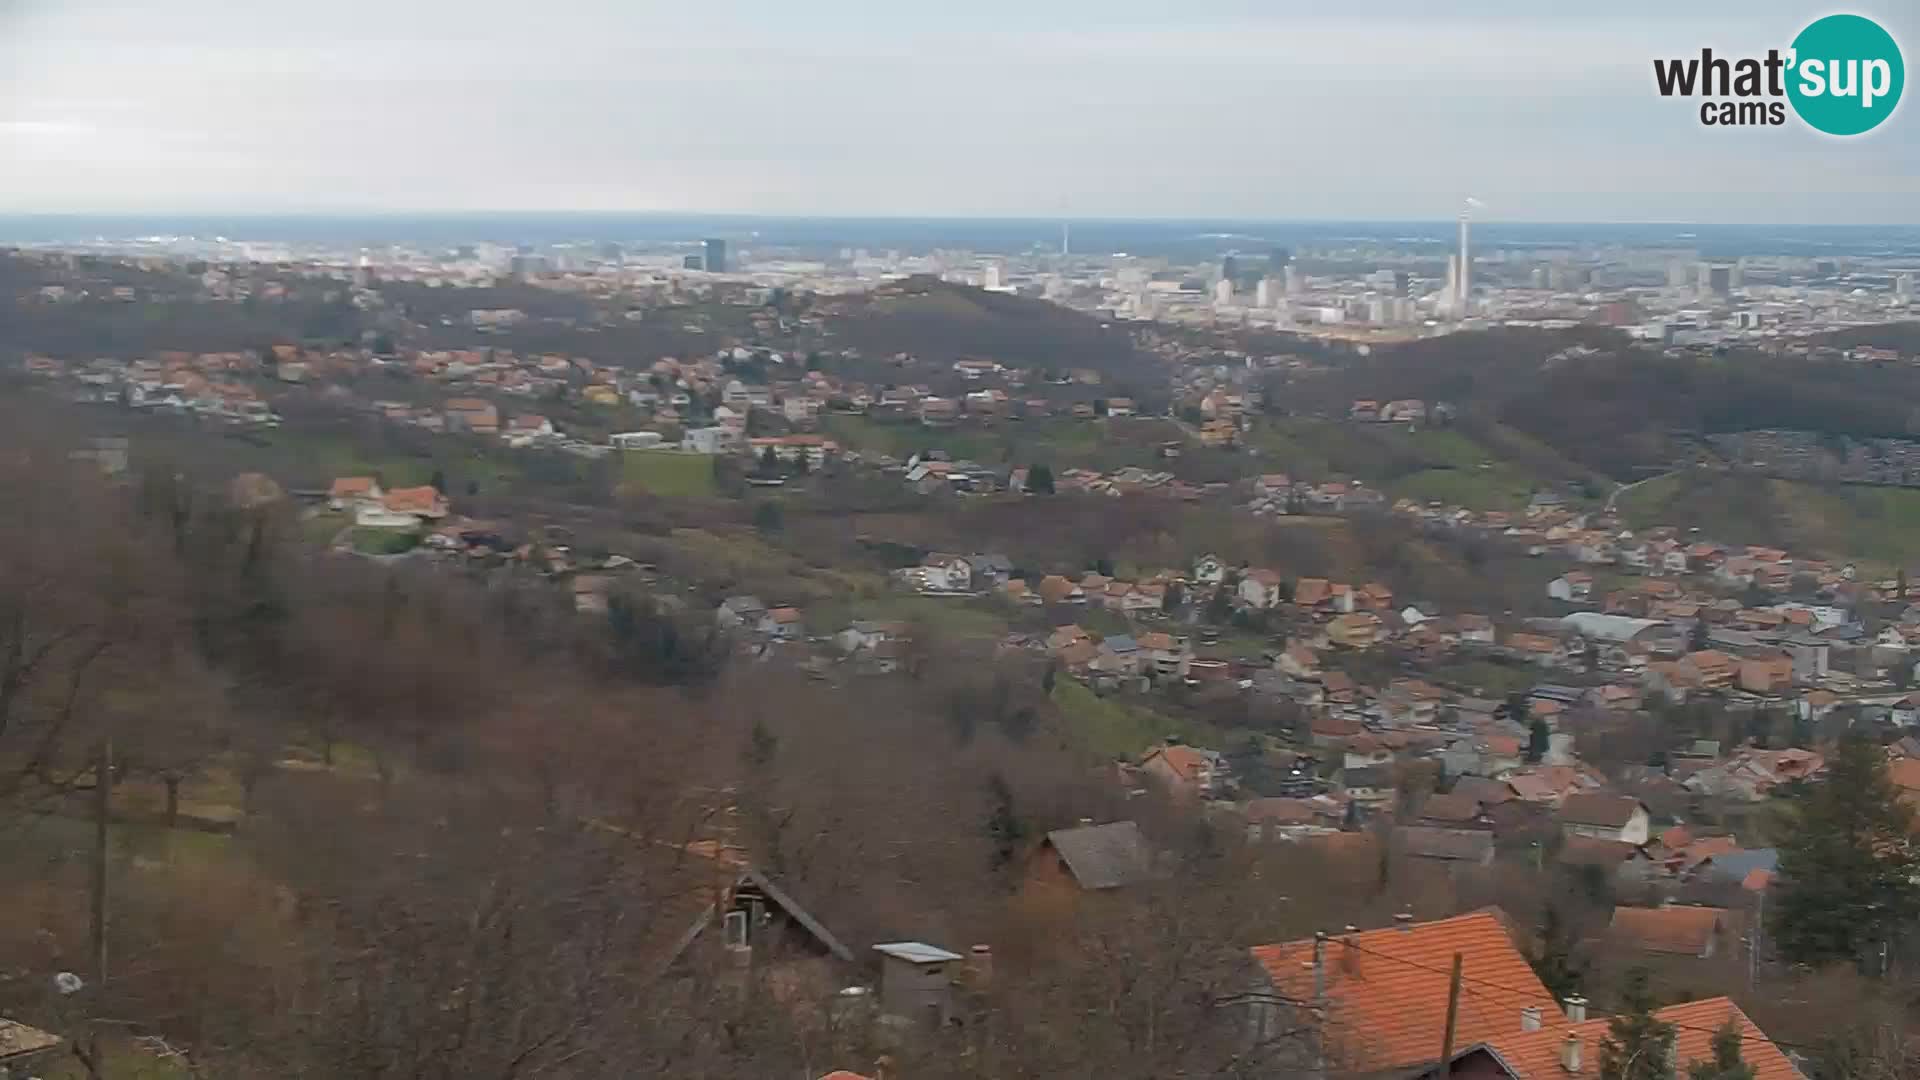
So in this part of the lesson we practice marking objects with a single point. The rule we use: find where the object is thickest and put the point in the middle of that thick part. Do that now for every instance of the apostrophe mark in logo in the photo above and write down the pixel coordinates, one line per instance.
(1846, 75)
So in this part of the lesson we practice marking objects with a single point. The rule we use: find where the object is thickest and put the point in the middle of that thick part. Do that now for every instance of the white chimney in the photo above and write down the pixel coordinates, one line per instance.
(1577, 1009)
(1570, 1053)
(1319, 966)
(1530, 1018)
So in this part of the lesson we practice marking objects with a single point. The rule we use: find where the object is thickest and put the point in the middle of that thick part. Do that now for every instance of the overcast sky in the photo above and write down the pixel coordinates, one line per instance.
(1268, 109)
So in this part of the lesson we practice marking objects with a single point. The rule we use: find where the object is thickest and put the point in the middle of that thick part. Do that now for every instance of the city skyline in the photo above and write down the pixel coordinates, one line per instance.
(1117, 111)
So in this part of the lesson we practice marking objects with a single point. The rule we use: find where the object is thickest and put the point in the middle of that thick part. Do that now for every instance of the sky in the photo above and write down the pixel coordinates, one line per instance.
(1227, 109)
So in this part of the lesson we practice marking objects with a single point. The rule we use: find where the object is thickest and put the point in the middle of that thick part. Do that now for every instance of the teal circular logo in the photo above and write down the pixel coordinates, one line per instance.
(1846, 75)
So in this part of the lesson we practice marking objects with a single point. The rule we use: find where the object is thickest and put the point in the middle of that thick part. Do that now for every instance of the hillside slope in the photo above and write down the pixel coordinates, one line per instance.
(940, 321)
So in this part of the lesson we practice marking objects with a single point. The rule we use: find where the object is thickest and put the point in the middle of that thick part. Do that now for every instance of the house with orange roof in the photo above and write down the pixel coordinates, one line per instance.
(1358, 630)
(475, 415)
(1054, 589)
(1167, 656)
(352, 492)
(1261, 588)
(1312, 592)
(1711, 669)
(1552, 1049)
(1673, 930)
(1537, 648)
(1765, 675)
(1186, 771)
(1380, 996)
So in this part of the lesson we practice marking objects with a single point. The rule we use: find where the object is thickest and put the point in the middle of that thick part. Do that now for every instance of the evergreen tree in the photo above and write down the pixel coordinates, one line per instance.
(1220, 605)
(1539, 741)
(1040, 479)
(1171, 600)
(1727, 1063)
(1637, 1046)
(1848, 865)
(1005, 828)
(1553, 955)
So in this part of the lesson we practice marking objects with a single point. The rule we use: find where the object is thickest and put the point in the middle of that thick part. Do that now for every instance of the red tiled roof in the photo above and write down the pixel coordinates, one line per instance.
(1608, 811)
(1186, 762)
(349, 486)
(1535, 1055)
(1387, 989)
(1686, 931)
(413, 500)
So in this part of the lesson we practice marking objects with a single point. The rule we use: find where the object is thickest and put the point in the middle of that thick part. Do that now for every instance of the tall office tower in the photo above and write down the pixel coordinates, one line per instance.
(1263, 293)
(994, 278)
(1737, 274)
(1278, 260)
(715, 255)
(1719, 279)
(1223, 291)
(1464, 282)
(1402, 283)
(1679, 274)
(1230, 267)
(1294, 285)
(1703, 276)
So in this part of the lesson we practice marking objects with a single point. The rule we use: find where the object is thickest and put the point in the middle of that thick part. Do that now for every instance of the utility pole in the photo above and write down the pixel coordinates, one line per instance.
(1453, 1012)
(102, 806)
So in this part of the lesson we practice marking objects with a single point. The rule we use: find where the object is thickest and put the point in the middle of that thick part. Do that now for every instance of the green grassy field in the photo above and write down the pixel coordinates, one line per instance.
(369, 541)
(668, 474)
(1114, 728)
(1063, 443)
(1877, 525)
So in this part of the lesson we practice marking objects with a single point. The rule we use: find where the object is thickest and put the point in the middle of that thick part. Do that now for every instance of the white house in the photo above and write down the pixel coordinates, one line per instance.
(711, 440)
(1574, 587)
(1605, 817)
(1209, 569)
(1260, 588)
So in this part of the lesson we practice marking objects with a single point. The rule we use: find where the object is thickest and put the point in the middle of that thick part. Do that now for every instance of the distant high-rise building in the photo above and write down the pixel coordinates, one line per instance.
(1263, 293)
(1737, 274)
(994, 277)
(1230, 267)
(1278, 260)
(1718, 279)
(1464, 294)
(1453, 281)
(1294, 283)
(1903, 286)
(1679, 274)
(694, 262)
(1538, 277)
(1402, 284)
(714, 255)
(1223, 291)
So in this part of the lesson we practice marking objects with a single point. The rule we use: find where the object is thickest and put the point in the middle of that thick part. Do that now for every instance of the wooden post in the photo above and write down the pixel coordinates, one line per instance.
(102, 807)
(1453, 1012)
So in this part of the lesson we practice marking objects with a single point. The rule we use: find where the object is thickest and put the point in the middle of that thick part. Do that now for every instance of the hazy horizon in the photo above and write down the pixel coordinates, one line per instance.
(1231, 110)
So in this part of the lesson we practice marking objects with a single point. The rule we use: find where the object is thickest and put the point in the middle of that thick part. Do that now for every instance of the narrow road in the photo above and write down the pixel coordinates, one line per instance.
(1624, 488)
